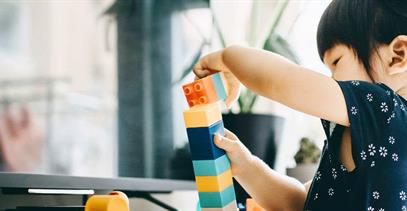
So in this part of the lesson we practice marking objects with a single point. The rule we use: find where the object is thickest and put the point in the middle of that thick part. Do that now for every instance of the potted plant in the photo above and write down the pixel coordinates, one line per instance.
(307, 159)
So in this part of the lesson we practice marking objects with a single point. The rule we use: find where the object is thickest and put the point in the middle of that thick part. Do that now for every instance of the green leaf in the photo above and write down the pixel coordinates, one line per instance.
(277, 20)
(246, 101)
(240, 103)
(251, 103)
(279, 45)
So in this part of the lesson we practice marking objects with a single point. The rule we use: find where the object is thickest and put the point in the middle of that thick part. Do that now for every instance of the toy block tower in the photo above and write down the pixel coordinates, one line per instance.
(203, 119)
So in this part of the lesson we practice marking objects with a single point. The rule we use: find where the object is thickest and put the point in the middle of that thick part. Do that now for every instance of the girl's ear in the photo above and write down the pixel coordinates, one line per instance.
(398, 48)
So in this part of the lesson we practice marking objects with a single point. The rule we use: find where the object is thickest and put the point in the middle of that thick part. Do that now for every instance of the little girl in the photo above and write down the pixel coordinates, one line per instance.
(363, 107)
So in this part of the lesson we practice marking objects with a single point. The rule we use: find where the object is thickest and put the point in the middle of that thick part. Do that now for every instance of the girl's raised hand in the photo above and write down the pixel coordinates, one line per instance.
(213, 63)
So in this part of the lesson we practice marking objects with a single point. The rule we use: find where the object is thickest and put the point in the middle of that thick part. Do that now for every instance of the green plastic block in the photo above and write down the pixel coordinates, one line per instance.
(211, 167)
(217, 199)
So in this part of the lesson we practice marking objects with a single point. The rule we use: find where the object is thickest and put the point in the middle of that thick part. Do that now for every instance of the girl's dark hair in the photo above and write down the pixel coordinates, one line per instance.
(361, 25)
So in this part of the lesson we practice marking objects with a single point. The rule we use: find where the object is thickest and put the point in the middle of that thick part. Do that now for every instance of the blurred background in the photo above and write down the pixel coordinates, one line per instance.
(93, 87)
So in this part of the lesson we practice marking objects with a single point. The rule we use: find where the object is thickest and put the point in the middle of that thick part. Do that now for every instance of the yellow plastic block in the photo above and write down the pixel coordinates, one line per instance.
(115, 201)
(203, 116)
(232, 206)
(214, 183)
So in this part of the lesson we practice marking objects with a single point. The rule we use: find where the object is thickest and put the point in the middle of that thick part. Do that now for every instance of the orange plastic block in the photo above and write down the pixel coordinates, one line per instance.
(115, 201)
(214, 183)
(251, 205)
(200, 92)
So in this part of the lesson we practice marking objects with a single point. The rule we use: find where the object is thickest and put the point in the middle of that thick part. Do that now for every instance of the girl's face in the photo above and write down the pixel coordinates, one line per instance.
(388, 64)
(344, 64)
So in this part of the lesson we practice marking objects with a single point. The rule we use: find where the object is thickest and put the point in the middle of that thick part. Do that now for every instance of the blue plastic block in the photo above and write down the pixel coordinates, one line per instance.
(217, 199)
(201, 142)
(219, 87)
(211, 167)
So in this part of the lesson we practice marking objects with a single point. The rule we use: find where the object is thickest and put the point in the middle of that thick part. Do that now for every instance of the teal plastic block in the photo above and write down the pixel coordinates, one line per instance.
(219, 87)
(211, 167)
(217, 199)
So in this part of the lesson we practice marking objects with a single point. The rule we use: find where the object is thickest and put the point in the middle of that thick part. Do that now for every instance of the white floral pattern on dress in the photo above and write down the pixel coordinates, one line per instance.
(334, 173)
(376, 195)
(355, 83)
(403, 195)
(395, 157)
(370, 208)
(384, 107)
(392, 116)
(331, 192)
(392, 140)
(404, 208)
(369, 97)
(371, 149)
(383, 151)
(372, 164)
(363, 155)
(354, 110)
(318, 175)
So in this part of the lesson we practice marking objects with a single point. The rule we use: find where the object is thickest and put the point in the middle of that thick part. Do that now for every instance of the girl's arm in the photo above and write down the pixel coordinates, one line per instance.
(270, 189)
(277, 78)
(273, 191)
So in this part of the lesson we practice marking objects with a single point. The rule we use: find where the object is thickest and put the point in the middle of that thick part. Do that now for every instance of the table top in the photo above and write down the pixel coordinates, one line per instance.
(18, 180)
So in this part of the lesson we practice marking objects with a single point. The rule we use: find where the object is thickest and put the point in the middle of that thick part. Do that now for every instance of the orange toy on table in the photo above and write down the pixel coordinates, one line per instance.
(115, 201)
(252, 205)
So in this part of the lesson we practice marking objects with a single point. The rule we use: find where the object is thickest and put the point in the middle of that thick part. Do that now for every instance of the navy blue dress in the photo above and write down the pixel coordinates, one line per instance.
(378, 126)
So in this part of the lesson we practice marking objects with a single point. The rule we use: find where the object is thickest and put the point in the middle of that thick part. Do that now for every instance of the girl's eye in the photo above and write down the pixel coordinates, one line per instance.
(336, 61)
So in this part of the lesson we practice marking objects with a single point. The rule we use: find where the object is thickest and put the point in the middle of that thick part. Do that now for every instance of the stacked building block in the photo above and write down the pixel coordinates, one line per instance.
(203, 119)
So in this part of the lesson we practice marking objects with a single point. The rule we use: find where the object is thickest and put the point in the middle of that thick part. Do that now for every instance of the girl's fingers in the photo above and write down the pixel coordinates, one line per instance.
(225, 143)
(200, 71)
(209, 64)
(230, 135)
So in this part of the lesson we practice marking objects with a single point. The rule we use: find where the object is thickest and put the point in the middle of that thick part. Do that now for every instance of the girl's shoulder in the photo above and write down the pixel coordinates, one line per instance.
(373, 102)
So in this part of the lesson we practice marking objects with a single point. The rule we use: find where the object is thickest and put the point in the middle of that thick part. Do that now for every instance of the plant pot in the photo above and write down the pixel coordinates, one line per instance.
(260, 134)
(303, 172)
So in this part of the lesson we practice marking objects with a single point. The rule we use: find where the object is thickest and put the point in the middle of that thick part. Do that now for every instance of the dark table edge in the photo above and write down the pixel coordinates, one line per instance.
(43, 181)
